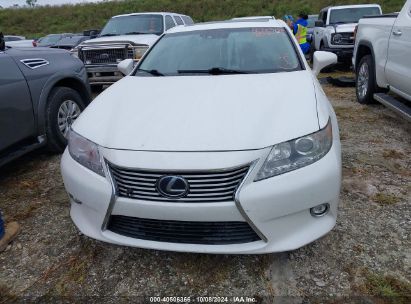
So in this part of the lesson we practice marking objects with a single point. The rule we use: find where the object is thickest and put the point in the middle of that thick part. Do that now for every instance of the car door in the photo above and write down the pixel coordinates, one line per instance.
(16, 109)
(398, 67)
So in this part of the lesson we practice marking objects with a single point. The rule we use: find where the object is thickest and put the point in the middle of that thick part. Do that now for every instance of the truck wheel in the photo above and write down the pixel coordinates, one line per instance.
(63, 108)
(365, 82)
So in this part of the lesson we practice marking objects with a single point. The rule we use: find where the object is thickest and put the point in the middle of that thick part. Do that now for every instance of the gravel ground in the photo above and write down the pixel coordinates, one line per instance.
(365, 258)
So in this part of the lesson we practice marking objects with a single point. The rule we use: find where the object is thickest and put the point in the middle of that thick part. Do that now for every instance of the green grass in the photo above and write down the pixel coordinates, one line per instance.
(39, 21)
(388, 286)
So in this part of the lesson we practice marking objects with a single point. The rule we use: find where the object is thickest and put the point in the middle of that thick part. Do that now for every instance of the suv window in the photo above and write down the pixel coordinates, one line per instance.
(187, 20)
(353, 14)
(134, 24)
(169, 22)
(178, 20)
(324, 17)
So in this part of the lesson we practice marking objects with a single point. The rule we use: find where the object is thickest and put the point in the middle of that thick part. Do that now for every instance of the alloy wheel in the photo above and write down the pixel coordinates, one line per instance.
(68, 112)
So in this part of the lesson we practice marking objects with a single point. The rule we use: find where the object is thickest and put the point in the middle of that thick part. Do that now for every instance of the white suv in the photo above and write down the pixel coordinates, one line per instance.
(124, 36)
(207, 146)
(334, 30)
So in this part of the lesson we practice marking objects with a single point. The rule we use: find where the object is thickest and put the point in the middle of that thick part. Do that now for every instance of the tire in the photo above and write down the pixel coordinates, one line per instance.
(64, 106)
(365, 82)
(311, 53)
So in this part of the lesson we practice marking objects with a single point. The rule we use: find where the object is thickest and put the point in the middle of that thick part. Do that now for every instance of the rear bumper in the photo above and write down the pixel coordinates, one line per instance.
(103, 74)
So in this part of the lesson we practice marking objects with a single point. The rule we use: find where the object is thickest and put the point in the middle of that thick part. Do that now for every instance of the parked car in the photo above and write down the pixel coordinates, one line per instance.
(42, 92)
(311, 24)
(70, 42)
(20, 43)
(52, 39)
(124, 36)
(334, 30)
(8, 38)
(207, 146)
(382, 61)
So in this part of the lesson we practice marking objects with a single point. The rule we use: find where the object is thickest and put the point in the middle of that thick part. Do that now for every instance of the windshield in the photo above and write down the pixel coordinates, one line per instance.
(222, 51)
(352, 15)
(50, 39)
(135, 24)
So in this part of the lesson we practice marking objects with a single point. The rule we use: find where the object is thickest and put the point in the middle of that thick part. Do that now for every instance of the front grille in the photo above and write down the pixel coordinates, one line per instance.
(347, 39)
(204, 186)
(206, 233)
(104, 56)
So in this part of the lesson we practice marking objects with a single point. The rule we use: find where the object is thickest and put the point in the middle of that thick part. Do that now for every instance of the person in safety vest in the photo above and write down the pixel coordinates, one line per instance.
(300, 32)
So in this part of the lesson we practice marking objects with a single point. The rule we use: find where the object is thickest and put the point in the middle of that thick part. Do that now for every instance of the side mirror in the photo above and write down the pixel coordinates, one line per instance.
(323, 60)
(319, 23)
(2, 43)
(126, 66)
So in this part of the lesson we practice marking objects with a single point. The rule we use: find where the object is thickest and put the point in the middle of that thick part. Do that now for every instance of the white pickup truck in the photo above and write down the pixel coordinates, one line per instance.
(124, 37)
(334, 29)
(382, 60)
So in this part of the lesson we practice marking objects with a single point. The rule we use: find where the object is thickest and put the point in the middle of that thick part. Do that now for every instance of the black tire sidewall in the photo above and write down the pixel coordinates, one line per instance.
(56, 140)
(371, 89)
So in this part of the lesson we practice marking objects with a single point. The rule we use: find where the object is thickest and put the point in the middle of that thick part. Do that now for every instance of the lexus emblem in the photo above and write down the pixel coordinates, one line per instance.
(172, 186)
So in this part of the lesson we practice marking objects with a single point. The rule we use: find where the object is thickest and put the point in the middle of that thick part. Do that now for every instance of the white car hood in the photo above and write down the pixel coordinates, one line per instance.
(202, 113)
(345, 28)
(147, 39)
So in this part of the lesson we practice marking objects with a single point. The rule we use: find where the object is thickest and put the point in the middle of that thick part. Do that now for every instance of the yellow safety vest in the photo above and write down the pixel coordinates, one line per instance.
(301, 34)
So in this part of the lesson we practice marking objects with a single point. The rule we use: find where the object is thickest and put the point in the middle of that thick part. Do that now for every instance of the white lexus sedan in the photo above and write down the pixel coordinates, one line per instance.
(221, 140)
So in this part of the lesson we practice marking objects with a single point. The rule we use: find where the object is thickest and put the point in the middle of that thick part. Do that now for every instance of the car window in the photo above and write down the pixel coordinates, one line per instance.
(178, 20)
(169, 22)
(324, 17)
(352, 15)
(134, 24)
(50, 39)
(187, 20)
(251, 50)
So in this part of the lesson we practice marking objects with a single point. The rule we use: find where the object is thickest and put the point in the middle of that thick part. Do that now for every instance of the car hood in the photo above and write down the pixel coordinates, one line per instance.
(345, 28)
(147, 39)
(202, 113)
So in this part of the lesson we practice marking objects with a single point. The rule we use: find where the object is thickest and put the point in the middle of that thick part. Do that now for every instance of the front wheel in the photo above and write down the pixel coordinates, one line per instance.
(64, 107)
(365, 83)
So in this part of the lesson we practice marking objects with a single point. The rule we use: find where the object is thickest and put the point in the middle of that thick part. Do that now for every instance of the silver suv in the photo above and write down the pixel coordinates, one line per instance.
(124, 37)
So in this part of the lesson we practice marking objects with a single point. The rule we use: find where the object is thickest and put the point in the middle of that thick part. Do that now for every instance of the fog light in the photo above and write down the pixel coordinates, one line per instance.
(320, 210)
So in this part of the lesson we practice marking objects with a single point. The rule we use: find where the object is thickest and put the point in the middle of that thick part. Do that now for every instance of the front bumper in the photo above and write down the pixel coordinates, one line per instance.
(343, 54)
(103, 74)
(276, 208)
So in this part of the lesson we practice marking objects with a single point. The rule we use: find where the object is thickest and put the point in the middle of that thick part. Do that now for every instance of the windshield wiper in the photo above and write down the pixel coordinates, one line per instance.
(152, 72)
(135, 33)
(213, 71)
(106, 35)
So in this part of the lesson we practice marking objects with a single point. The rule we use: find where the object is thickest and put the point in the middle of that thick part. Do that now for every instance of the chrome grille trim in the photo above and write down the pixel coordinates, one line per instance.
(105, 53)
(205, 186)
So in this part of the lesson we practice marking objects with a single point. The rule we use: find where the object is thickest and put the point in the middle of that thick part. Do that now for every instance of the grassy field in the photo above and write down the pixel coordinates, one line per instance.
(39, 21)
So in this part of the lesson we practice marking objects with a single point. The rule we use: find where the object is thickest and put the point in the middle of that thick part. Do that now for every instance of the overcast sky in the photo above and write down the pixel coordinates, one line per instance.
(7, 3)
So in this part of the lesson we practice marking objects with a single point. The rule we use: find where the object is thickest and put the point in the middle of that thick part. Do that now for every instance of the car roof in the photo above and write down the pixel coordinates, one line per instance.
(254, 18)
(350, 6)
(148, 13)
(244, 23)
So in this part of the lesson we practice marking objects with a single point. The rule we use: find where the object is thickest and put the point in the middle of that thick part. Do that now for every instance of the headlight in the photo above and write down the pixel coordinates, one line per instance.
(337, 38)
(297, 153)
(85, 152)
(139, 51)
(74, 52)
